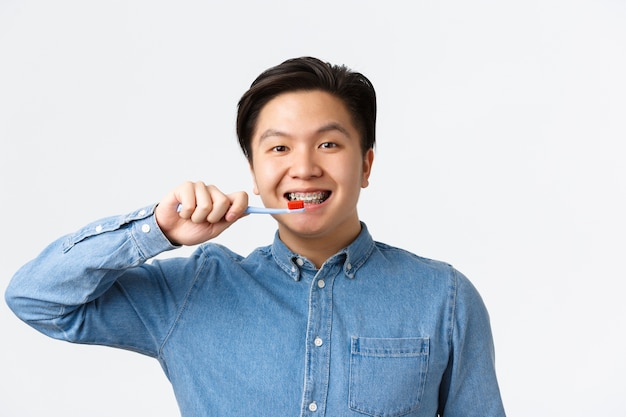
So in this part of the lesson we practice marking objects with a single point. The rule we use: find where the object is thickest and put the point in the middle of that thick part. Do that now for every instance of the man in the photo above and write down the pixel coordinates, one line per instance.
(324, 321)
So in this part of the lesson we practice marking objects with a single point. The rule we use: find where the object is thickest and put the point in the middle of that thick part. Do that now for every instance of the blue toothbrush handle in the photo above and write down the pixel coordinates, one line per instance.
(260, 210)
(265, 210)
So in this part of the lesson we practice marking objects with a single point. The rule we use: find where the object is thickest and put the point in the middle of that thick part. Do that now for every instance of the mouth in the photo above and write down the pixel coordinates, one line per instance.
(317, 197)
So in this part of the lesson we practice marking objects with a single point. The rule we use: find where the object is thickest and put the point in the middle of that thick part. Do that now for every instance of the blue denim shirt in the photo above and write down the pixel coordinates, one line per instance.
(376, 331)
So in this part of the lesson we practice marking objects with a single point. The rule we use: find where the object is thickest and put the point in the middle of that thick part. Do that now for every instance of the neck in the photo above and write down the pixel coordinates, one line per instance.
(318, 248)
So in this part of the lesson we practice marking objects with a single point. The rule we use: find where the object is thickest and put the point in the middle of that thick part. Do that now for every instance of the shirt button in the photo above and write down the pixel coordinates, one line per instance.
(142, 212)
(313, 406)
(98, 228)
(318, 341)
(349, 266)
(321, 283)
(145, 228)
(299, 261)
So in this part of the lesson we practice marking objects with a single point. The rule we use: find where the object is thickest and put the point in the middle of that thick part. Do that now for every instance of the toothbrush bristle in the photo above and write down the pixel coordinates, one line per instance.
(295, 205)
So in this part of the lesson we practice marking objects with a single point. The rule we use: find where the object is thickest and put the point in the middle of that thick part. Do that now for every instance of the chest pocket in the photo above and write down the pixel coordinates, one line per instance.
(387, 376)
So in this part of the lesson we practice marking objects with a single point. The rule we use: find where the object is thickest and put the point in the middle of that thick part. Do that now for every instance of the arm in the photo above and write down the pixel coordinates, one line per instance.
(94, 286)
(55, 293)
(470, 386)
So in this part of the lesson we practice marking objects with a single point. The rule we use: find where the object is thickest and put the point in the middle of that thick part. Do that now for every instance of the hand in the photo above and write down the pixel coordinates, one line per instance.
(206, 212)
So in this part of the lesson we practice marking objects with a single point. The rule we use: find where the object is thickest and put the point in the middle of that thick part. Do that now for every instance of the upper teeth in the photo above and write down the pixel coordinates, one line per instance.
(311, 198)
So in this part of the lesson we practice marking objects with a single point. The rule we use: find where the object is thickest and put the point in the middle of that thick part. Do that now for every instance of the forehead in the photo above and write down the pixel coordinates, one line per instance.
(302, 110)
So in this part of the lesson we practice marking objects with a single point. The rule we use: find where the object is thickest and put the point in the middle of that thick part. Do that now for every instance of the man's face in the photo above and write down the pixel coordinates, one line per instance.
(305, 147)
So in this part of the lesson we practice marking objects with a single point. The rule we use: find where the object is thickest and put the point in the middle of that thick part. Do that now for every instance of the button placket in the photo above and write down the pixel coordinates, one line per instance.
(318, 337)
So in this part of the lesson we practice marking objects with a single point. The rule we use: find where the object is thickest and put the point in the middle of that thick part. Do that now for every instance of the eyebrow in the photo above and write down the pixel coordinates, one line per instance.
(325, 128)
(334, 126)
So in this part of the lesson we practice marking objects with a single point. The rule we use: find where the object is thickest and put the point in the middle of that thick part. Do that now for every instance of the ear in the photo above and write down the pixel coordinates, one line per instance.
(255, 188)
(368, 160)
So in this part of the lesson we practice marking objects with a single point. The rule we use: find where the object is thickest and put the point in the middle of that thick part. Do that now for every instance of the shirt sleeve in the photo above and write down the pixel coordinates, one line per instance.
(95, 287)
(469, 387)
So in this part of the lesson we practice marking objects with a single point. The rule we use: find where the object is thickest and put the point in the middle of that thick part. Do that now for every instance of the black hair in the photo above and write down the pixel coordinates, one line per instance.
(309, 74)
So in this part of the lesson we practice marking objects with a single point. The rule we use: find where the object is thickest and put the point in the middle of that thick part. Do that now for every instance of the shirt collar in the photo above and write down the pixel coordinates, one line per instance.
(353, 256)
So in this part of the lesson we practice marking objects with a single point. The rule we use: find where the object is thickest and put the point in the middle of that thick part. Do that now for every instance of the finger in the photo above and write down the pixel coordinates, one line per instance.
(238, 204)
(220, 205)
(203, 203)
(186, 195)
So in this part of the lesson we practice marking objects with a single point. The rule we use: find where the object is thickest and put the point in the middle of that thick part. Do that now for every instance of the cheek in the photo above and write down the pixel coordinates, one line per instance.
(365, 180)
(255, 187)
(353, 182)
(263, 179)
(360, 179)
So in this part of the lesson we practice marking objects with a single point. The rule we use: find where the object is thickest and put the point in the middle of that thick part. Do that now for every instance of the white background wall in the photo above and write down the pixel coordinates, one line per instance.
(500, 151)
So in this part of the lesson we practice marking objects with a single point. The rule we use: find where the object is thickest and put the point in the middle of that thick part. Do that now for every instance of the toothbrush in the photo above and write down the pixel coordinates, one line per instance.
(292, 207)
(296, 206)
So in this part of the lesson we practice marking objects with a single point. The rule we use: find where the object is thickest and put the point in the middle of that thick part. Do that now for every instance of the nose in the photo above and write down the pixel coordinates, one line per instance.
(304, 165)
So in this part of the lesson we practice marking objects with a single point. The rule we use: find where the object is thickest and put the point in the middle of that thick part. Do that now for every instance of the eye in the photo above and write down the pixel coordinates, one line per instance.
(328, 145)
(279, 148)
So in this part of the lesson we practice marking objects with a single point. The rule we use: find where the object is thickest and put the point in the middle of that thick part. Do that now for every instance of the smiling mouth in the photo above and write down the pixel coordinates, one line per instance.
(317, 197)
